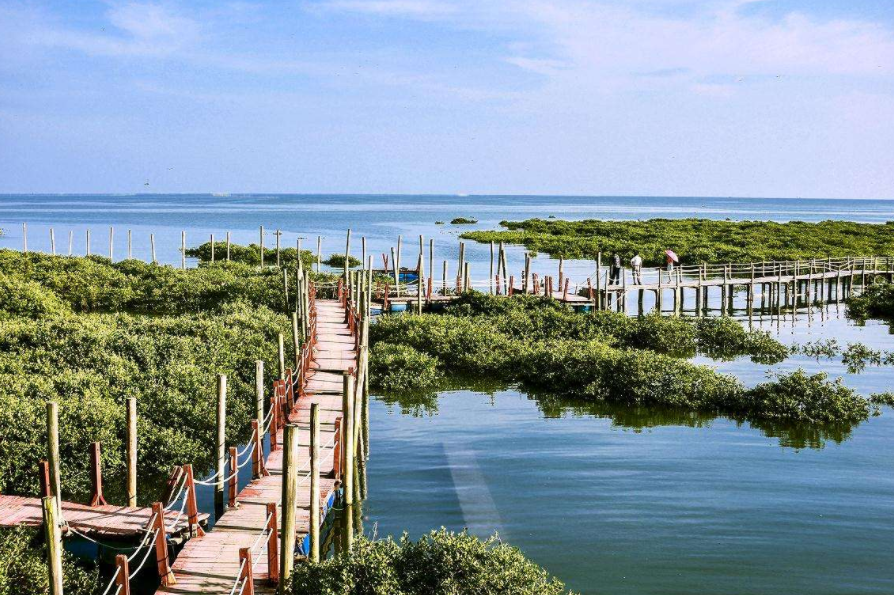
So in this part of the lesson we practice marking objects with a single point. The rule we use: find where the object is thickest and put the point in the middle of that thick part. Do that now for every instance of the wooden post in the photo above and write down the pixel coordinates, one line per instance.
(43, 476)
(53, 536)
(259, 392)
(561, 272)
(212, 248)
(461, 267)
(161, 546)
(87, 243)
(296, 338)
(261, 244)
(97, 497)
(272, 545)
(289, 504)
(233, 482)
(314, 553)
(52, 242)
(131, 450)
(431, 258)
(491, 276)
(122, 578)
(319, 252)
(53, 454)
(220, 446)
(419, 282)
(527, 273)
(192, 507)
(183, 250)
(444, 279)
(348, 433)
(152, 246)
(70, 242)
(129, 245)
(282, 358)
(246, 575)
(228, 246)
(111, 243)
(277, 233)
(25, 238)
(347, 254)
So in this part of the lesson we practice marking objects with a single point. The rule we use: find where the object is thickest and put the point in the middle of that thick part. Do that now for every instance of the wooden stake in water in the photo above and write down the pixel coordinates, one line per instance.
(261, 244)
(70, 242)
(152, 245)
(25, 238)
(183, 250)
(228, 246)
(431, 258)
(491, 277)
(52, 242)
(129, 245)
(88, 242)
(319, 252)
(111, 243)
(212, 248)
(347, 255)
(277, 234)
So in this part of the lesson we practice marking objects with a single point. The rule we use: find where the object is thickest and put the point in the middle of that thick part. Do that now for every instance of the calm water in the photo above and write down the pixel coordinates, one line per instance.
(611, 501)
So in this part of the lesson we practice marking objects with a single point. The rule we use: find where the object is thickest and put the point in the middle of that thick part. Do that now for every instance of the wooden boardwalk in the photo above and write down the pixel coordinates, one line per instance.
(95, 521)
(210, 563)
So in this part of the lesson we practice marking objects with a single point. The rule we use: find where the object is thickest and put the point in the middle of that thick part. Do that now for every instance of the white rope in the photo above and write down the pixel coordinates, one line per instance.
(174, 499)
(146, 557)
(251, 443)
(112, 582)
(239, 579)
(143, 542)
(182, 508)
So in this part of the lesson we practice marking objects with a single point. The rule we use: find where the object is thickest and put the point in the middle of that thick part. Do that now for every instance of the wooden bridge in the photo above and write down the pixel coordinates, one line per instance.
(777, 284)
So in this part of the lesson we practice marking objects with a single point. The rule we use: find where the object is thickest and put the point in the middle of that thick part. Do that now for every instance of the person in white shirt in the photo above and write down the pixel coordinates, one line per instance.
(636, 264)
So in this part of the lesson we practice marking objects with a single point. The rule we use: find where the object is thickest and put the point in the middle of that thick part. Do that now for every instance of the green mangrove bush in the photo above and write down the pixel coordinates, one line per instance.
(399, 367)
(463, 221)
(23, 566)
(876, 301)
(440, 563)
(695, 240)
(250, 254)
(338, 261)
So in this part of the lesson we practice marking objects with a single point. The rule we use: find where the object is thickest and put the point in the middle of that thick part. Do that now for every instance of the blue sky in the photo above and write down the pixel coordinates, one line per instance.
(649, 97)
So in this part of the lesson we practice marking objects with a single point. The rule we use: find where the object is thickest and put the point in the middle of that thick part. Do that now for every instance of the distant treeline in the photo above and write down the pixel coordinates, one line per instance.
(695, 240)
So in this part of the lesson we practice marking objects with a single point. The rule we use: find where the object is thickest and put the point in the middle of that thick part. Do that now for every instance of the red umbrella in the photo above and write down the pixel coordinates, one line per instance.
(672, 255)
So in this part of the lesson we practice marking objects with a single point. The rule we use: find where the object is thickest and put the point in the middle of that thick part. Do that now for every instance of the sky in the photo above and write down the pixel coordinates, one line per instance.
(787, 98)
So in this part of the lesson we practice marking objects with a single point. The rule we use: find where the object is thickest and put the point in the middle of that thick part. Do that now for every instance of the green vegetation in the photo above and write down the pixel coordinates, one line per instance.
(23, 566)
(441, 563)
(696, 240)
(463, 221)
(250, 254)
(606, 356)
(439, 223)
(88, 334)
(885, 398)
(856, 356)
(398, 367)
(338, 261)
(876, 301)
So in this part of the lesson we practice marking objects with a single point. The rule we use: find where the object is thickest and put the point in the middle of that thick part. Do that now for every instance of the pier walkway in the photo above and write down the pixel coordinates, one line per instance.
(211, 563)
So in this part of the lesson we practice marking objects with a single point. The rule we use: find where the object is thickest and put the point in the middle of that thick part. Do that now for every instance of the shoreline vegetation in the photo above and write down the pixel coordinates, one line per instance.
(544, 346)
(694, 240)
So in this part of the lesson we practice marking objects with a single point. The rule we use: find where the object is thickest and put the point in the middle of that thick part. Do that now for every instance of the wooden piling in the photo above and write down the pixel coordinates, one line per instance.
(112, 244)
(131, 450)
(70, 242)
(221, 447)
(122, 575)
(282, 357)
(25, 238)
(347, 254)
(183, 250)
(161, 546)
(129, 245)
(52, 519)
(261, 243)
(52, 242)
(348, 442)
(53, 454)
(87, 242)
(233, 478)
(259, 392)
(228, 246)
(314, 554)
(491, 276)
(289, 505)
(96, 497)
(152, 247)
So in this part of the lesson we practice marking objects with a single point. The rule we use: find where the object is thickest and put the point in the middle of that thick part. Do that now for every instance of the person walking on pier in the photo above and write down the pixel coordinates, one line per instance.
(615, 277)
(636, 266)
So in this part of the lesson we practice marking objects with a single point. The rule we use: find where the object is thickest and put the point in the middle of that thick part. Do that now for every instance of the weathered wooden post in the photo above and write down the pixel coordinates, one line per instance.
(183, 250)
(131, 450)
(233, 480)
(261, 243)
(467, 278)
(25, 238)
(87, 241)
(161, 546)
(277, 233)
(228, 246)
(289, 505)
(111, 243)
(53, 535)
(96, 498)
(259, 392)
(122, 575)
(561, 272)
(419, 285)
(491, 276)
(319, 252)
(70, 242)
(272, 545)
(192, 507)
(53, 454)
(395, 271)
(444, 279)
(296, 338)
(129, 244)
(52, 242)
(348, 433)
(221, 446)
(212, 248)
(152, 247)
(314, 553)
(282, 358)
(460, 268)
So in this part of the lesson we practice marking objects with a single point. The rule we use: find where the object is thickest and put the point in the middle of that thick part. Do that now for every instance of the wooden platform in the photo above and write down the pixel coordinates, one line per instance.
(210, 564)
(95, 521)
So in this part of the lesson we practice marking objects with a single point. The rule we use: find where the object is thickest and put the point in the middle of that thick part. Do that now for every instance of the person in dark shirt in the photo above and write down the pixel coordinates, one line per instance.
(615, 269)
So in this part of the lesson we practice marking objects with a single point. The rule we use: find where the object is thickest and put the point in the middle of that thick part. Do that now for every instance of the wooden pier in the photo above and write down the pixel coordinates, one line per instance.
(215, 561)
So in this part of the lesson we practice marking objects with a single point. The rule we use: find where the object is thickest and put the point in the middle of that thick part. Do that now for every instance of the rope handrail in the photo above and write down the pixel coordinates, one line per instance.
(146, 557)
(112, 581)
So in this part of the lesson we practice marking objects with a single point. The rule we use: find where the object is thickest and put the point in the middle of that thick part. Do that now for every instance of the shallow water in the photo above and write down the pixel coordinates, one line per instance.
(611, 501)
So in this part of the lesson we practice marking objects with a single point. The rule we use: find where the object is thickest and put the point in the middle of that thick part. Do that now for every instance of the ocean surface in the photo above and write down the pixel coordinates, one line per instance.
(609, 500)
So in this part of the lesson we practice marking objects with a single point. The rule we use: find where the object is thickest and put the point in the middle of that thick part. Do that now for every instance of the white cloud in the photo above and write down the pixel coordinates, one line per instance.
(403, 8)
